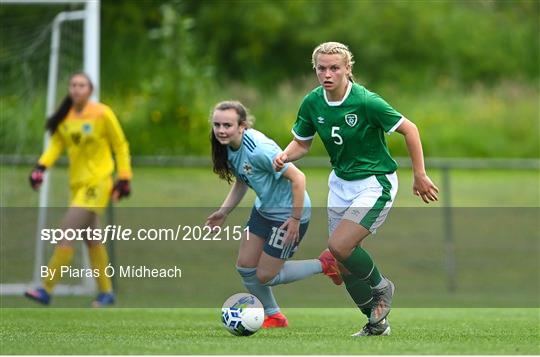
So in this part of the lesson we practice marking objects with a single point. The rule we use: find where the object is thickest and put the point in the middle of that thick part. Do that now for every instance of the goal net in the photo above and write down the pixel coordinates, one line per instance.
(41, 44)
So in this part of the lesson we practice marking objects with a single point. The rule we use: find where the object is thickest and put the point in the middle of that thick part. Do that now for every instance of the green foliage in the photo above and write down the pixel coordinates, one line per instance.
(175, 110)
(412, 42)
(18, 135)
(501, 121)
(465, 71)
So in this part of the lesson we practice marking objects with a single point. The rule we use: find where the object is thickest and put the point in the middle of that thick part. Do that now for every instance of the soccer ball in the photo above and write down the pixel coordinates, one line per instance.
(242, 314)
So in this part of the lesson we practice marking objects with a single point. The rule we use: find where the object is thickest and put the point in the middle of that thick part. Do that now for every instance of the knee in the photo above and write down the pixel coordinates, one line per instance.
(264, 277)
(339, 249)
(244, 263)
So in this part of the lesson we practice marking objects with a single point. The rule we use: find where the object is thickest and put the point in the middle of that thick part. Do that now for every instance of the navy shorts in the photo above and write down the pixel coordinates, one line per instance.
(273, 236)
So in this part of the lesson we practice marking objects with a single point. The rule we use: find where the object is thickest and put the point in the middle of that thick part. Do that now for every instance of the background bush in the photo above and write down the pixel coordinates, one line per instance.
(465, 71)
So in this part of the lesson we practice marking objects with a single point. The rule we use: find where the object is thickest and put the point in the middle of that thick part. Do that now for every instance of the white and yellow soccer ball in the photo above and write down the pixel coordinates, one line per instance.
(242, 314)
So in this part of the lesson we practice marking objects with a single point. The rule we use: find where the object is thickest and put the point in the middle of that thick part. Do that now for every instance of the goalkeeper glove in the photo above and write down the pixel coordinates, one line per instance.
(121, 189)
(36, 176)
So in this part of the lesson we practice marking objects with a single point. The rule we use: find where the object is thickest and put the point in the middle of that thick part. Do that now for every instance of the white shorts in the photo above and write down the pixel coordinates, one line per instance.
(365, 202)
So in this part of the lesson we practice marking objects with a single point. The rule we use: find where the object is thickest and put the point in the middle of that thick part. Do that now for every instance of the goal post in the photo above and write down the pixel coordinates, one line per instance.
(90, 16)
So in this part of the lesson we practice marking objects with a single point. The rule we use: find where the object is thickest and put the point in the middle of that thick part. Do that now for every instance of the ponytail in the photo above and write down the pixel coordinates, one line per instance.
(54, 120)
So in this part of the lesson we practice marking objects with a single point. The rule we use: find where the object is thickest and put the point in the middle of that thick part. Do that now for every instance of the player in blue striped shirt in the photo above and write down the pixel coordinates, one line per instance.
(281, 213)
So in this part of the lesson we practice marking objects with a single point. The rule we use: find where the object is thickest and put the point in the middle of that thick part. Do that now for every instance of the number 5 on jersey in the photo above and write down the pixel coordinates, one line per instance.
(338, 140)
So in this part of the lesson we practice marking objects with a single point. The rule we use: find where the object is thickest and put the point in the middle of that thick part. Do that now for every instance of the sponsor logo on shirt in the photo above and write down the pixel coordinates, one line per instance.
(320, 120)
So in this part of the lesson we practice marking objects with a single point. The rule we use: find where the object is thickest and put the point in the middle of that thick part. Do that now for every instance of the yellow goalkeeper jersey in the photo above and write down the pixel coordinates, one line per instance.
(89, 137)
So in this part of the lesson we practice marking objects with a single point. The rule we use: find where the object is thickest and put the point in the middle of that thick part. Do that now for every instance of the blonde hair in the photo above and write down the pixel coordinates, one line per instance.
(333, 48)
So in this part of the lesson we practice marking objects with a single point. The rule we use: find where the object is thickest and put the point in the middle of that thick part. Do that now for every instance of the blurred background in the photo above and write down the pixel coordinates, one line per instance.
(466, 72)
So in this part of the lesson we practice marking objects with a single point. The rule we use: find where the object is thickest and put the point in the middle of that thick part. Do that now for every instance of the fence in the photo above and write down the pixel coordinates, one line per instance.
(445, 165)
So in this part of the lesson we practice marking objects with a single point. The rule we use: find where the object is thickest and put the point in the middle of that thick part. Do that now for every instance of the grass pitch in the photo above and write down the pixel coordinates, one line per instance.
(311, 331)
(429, 331)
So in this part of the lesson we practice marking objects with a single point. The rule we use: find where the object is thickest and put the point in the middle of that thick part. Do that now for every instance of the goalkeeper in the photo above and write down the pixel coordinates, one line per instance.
(87, 130)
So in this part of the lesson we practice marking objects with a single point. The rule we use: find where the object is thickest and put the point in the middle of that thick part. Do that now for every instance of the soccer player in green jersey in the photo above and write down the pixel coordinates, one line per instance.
(351, 122)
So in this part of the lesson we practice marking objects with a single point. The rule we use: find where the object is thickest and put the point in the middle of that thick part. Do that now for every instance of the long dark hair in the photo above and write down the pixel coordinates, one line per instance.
(63, 109)
(219, 151)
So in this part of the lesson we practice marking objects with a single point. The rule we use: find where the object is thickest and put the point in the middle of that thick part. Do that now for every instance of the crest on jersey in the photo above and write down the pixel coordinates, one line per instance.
(87, 128)
(351, 119)
(247, 168)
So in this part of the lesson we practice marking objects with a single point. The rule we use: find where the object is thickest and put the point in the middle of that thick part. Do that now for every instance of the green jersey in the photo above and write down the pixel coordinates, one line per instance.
(352, 130)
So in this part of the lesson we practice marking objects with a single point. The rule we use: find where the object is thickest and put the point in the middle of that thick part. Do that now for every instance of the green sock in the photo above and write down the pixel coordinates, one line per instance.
(360, 264)
(359, 291)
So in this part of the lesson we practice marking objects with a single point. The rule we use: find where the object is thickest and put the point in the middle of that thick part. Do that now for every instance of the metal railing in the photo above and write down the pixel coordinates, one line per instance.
(446, 165)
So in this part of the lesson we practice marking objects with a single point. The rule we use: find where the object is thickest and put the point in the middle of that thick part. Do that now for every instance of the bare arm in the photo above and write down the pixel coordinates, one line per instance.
(422, 186)
(298, 183)
(298, 187)
(232, 200)
(294, 151)
(237, 192)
